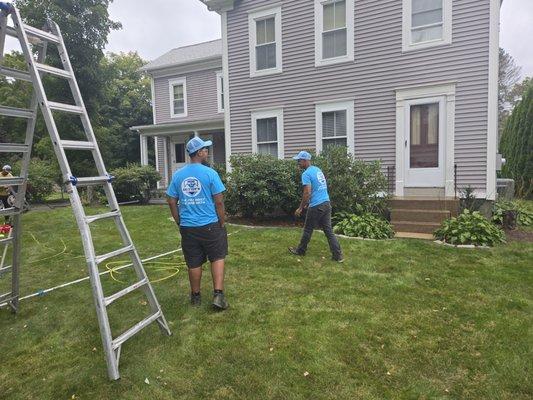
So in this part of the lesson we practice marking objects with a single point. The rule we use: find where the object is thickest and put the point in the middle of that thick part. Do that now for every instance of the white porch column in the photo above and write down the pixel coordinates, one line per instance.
(144, 149)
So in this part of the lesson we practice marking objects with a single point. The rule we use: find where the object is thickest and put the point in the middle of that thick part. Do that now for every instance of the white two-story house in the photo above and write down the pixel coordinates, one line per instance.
(412, 83)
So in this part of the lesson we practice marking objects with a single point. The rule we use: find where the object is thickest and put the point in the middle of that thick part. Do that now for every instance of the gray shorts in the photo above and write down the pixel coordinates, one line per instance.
(202, 243)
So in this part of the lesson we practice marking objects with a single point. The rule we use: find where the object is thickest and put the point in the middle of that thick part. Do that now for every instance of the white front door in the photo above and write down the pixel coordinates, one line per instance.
(425, 139)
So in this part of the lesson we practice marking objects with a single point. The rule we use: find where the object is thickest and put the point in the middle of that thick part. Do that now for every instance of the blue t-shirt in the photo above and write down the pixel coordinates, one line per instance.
(319, 188)
(195, 185)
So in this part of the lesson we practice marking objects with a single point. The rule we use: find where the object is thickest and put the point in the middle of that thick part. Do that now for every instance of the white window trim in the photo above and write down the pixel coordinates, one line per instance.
(319, 25)
(220, 91)
(348, 106)
(171, 84)
(252, 18)
(407, 44)
(404, 96)
(273, 113)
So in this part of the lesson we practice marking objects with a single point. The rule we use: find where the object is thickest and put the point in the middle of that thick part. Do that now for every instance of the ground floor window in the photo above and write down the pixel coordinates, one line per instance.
(267, 132)
(335, 125)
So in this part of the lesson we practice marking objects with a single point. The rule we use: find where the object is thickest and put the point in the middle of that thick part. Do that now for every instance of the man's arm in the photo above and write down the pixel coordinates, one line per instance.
(221, 211)
(305, 200)
(173, 204)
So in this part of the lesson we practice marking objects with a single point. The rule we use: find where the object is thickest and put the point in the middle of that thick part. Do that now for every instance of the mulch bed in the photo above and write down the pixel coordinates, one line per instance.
(519, 235)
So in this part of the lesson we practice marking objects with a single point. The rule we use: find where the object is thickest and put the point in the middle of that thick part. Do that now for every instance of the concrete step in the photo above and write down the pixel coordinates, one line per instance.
(410, 235)
(436, 216)
(415, 227)
(416, 203)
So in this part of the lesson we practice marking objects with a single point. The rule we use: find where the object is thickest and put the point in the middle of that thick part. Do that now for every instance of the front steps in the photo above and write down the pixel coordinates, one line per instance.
(421, 216)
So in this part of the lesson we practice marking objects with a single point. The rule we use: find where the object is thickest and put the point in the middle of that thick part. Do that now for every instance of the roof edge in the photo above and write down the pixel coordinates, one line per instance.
(219, 5)
(197, 62)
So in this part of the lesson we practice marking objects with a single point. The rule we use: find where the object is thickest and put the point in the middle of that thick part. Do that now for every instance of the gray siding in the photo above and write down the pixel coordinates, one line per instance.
(379, 68)
(201, 96)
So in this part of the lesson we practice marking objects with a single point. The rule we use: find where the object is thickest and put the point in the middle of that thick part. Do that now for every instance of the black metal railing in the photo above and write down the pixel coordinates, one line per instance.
(455, 180)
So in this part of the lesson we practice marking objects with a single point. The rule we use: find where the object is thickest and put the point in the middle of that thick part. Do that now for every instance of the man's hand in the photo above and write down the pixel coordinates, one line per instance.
(298, 212)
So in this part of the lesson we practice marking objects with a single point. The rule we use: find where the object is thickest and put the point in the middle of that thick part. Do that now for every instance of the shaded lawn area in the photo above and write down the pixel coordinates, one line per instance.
(400, 319)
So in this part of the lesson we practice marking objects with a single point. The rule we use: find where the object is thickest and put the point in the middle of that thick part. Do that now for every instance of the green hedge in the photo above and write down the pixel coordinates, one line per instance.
(134, 182)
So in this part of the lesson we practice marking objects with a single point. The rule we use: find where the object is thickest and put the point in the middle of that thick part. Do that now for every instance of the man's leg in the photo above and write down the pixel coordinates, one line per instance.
(334, 245)
(217, 271)
(195, 279)
(309, 226)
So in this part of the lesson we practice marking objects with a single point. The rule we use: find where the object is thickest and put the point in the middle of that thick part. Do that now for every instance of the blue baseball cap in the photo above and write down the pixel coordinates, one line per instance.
(196, 144)
(302, 155)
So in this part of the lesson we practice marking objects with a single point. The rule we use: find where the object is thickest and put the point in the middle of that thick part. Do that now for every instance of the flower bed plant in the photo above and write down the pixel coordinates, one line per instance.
(470, 228)
(366, 225)
(524, 216)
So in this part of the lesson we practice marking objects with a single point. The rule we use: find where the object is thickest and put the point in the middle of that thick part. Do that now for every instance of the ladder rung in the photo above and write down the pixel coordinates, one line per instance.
(110, 299)
(92, 218)
(15, 112)
(5, 270)
(15, 181)
(9, 211)
(103, 257)
(6, 297)
(6, 241)
(50, 37)
(10, 31)
(53, 70)
(77, 145)
(92, 181)
(13, 148)
(65, 107)
(134, 329)
(15, 73)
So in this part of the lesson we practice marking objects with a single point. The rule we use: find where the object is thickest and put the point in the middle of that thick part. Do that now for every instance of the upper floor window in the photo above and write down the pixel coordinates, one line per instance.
(426, 23)
(265, 41)
(267, 132)
(178, 97)
(220, 91)
(334, 31)
(335, 125)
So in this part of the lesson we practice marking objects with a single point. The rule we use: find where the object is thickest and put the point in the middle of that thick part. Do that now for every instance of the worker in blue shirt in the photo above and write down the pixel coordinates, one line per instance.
(316, 197)
(200, 216)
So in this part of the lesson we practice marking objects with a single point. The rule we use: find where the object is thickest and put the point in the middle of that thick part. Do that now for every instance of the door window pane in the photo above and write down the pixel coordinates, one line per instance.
(424, 136)
(179, 149)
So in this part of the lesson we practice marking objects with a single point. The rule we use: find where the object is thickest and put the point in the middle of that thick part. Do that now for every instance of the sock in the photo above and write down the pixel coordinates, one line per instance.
(218, 291)
(195, 294)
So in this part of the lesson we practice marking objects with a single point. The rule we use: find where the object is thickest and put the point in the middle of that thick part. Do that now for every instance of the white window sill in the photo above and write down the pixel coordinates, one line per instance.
(178, 115)
(265, 72)
(333, 61)
(425, 45)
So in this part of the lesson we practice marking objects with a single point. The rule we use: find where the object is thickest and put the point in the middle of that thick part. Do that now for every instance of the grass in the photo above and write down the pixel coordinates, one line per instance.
(400, 319)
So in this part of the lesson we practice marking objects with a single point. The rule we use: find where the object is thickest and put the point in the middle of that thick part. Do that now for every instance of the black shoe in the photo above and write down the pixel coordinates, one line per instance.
(196, 299)
(295, 251)
(220, 302)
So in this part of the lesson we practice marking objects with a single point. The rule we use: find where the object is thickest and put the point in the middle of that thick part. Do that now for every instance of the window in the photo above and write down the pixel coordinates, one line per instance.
(265, 42)
(424, 136)
(178, 98)
(334, 31)
(267, 132)
(426, 23)
(179, 150)
(335, 125)
(220, 92)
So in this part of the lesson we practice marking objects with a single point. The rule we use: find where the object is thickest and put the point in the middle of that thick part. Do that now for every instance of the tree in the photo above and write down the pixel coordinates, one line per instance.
(126, 103)
(517, 144)
(509, 76)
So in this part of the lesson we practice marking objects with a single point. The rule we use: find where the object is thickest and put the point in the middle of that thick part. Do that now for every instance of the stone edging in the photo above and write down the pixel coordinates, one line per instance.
(461, 246)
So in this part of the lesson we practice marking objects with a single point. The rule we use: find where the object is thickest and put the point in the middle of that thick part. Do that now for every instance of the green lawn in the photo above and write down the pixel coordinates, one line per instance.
(400, 319)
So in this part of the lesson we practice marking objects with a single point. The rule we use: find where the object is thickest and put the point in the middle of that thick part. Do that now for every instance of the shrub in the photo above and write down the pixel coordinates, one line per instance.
(42, 176)
(470, 228)
(134, 182)
(366, 225)
(525, 216)
(354, 186)
(259, 185)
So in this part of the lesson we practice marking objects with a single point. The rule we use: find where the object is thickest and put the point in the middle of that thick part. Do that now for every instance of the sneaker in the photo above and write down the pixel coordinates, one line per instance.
(220, 302)
(196, 300)
(295, 251)
(338, 259)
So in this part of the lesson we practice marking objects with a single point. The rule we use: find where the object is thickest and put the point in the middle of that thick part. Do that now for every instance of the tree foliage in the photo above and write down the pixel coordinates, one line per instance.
(517, 144)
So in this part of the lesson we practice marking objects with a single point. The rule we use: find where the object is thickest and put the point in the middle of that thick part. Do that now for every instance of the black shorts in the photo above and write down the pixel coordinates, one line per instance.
(202, 243)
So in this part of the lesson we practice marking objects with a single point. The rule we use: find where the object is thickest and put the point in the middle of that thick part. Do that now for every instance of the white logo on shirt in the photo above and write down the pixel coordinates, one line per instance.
(191, 187)
(321, 178)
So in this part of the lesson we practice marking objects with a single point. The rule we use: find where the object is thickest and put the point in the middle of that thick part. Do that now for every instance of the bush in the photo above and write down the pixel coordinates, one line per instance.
(134, 182)
(525, 216)
(354, 186)
(42, 176)
(470, 228)
(366, 225)
(259, 185)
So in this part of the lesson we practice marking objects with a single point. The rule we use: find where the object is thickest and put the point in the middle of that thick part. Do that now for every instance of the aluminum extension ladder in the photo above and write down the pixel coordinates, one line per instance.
(40, 39)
